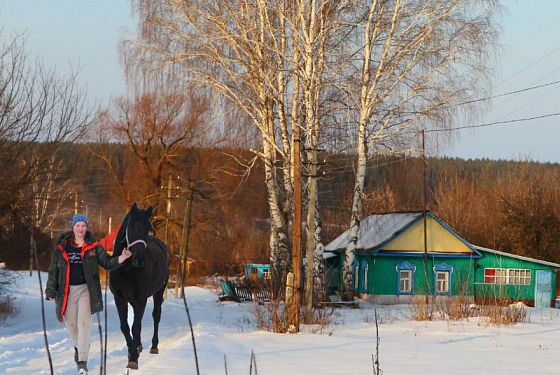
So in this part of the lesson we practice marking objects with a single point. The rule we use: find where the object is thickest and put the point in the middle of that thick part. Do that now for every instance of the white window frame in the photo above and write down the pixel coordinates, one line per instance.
(508, 276)
(365, 286)
(442, 283)
(406, 279)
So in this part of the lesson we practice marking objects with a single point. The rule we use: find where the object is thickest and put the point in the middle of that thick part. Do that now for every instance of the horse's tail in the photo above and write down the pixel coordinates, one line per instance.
(159, 243)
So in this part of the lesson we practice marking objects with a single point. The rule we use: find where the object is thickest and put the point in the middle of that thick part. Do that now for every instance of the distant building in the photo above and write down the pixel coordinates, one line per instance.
(256, 272)
(390, 264)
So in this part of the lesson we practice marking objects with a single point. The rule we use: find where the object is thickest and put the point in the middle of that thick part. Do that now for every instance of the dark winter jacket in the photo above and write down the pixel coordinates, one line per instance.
(58, 282)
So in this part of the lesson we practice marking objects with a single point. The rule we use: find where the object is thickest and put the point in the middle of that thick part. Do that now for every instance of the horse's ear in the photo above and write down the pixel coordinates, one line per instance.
(149, 212)
(134, 209)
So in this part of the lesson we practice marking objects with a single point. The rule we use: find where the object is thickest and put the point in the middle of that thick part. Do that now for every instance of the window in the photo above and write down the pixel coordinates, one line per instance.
(254, 270)
(266, 274)
(442, 282)
(405, 281)
(507, 276)
(365, 285)
(405, 278)
(356, 274)
(442, 279)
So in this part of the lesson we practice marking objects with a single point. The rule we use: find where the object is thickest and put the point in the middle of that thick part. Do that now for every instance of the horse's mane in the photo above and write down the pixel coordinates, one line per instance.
(118, 246)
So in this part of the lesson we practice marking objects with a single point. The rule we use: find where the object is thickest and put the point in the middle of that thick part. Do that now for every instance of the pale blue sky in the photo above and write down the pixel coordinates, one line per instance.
(85, 34)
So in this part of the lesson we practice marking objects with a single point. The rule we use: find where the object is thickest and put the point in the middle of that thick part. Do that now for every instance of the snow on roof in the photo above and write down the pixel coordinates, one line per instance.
(517, 256)
(375, 230)
(328, 255)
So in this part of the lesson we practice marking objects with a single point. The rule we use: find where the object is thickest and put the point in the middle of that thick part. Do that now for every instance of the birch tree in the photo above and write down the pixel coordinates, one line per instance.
(415, 61)
(235, 48)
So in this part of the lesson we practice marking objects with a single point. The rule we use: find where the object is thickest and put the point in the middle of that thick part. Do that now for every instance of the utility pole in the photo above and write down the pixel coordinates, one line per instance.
(32, 242)
(293, 316)
(183, 256)
(425, 214)
(168, 210)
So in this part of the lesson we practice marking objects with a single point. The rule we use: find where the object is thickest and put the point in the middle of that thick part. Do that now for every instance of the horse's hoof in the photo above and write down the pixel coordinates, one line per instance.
(154, 351)
(132, 365)
(140, 348)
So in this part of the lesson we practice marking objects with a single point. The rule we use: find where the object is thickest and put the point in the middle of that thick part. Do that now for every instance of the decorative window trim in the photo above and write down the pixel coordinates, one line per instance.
(443, 267)
(405, 266)
(507, 276)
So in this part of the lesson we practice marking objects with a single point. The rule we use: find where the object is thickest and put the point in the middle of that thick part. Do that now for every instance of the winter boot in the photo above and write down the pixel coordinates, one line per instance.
(76, 355)
(82, 367)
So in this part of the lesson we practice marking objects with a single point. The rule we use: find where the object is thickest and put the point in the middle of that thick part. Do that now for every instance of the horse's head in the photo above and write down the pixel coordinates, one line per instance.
(138, 228)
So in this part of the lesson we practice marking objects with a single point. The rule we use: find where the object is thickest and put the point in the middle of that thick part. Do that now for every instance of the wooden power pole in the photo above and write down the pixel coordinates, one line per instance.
(425, 214)
(183, 256)
(293, 317)
(168, 210)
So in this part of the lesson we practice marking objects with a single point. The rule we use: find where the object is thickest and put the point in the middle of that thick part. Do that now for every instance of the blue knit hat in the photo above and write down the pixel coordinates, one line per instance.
(79, 217)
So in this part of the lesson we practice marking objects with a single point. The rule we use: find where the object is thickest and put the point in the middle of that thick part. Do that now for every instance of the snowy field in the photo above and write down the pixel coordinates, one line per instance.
(407, 347)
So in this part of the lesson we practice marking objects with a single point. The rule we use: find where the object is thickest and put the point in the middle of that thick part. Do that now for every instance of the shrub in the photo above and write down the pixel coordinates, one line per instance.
(422, 310)
(499, 314)
(8, 305)
(270, 316)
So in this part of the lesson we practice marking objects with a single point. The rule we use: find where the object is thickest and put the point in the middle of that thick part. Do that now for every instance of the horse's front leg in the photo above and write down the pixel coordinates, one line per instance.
(156, 314)
(122, 309)
(133, 350)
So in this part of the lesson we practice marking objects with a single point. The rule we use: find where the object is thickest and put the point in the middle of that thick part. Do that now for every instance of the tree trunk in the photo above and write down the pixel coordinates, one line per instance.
(350, 254)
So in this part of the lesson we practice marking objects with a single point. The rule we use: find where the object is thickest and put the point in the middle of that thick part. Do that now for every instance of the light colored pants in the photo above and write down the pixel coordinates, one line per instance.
(78, 319)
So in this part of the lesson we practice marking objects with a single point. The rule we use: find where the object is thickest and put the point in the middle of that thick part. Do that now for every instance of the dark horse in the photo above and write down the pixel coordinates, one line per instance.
(144, 274)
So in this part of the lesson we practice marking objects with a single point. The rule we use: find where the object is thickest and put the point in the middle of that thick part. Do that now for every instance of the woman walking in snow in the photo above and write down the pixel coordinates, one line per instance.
(74, 284)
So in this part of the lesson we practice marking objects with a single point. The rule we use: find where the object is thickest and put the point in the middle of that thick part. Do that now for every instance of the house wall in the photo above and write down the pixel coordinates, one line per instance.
(383, 276)
(513, 292)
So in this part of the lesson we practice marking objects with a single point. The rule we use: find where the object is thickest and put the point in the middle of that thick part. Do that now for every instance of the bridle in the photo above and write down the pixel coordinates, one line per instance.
(130, 244)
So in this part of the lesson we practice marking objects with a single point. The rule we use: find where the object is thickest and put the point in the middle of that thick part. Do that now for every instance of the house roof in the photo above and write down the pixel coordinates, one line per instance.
(376, 229)
(480, 248)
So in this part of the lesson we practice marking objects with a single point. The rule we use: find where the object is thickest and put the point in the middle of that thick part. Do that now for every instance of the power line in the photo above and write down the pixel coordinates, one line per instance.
(494, 123)
(457, 104)
(507, 93)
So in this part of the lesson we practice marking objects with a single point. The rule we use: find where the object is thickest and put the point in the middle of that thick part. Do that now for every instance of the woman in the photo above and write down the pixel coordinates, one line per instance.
(74, 284)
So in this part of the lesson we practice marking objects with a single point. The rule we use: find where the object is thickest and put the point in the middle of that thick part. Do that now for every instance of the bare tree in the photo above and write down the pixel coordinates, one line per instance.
(227, 46)
(156, 127)
(268, 59)
(414, 62)
(39, 111)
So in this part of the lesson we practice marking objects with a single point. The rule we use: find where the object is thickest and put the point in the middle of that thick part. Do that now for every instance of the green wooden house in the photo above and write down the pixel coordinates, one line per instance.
(392, 266)
(504, 275)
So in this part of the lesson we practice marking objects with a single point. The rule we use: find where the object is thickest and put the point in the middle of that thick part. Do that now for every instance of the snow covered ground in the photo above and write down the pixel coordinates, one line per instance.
(436, 347)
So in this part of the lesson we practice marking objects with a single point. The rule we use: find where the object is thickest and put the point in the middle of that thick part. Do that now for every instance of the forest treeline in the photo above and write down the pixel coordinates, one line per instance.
(511, 206)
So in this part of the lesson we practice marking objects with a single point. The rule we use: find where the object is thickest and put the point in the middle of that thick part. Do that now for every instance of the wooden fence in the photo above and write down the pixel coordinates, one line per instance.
(242, 291)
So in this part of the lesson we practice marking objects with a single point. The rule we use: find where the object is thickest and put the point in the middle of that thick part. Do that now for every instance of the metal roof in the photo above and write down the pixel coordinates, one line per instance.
(375, 230)
(516, 256)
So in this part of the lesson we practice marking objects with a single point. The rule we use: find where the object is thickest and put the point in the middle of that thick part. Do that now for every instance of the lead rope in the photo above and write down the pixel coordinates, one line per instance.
(42, 305)
(106, 308)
